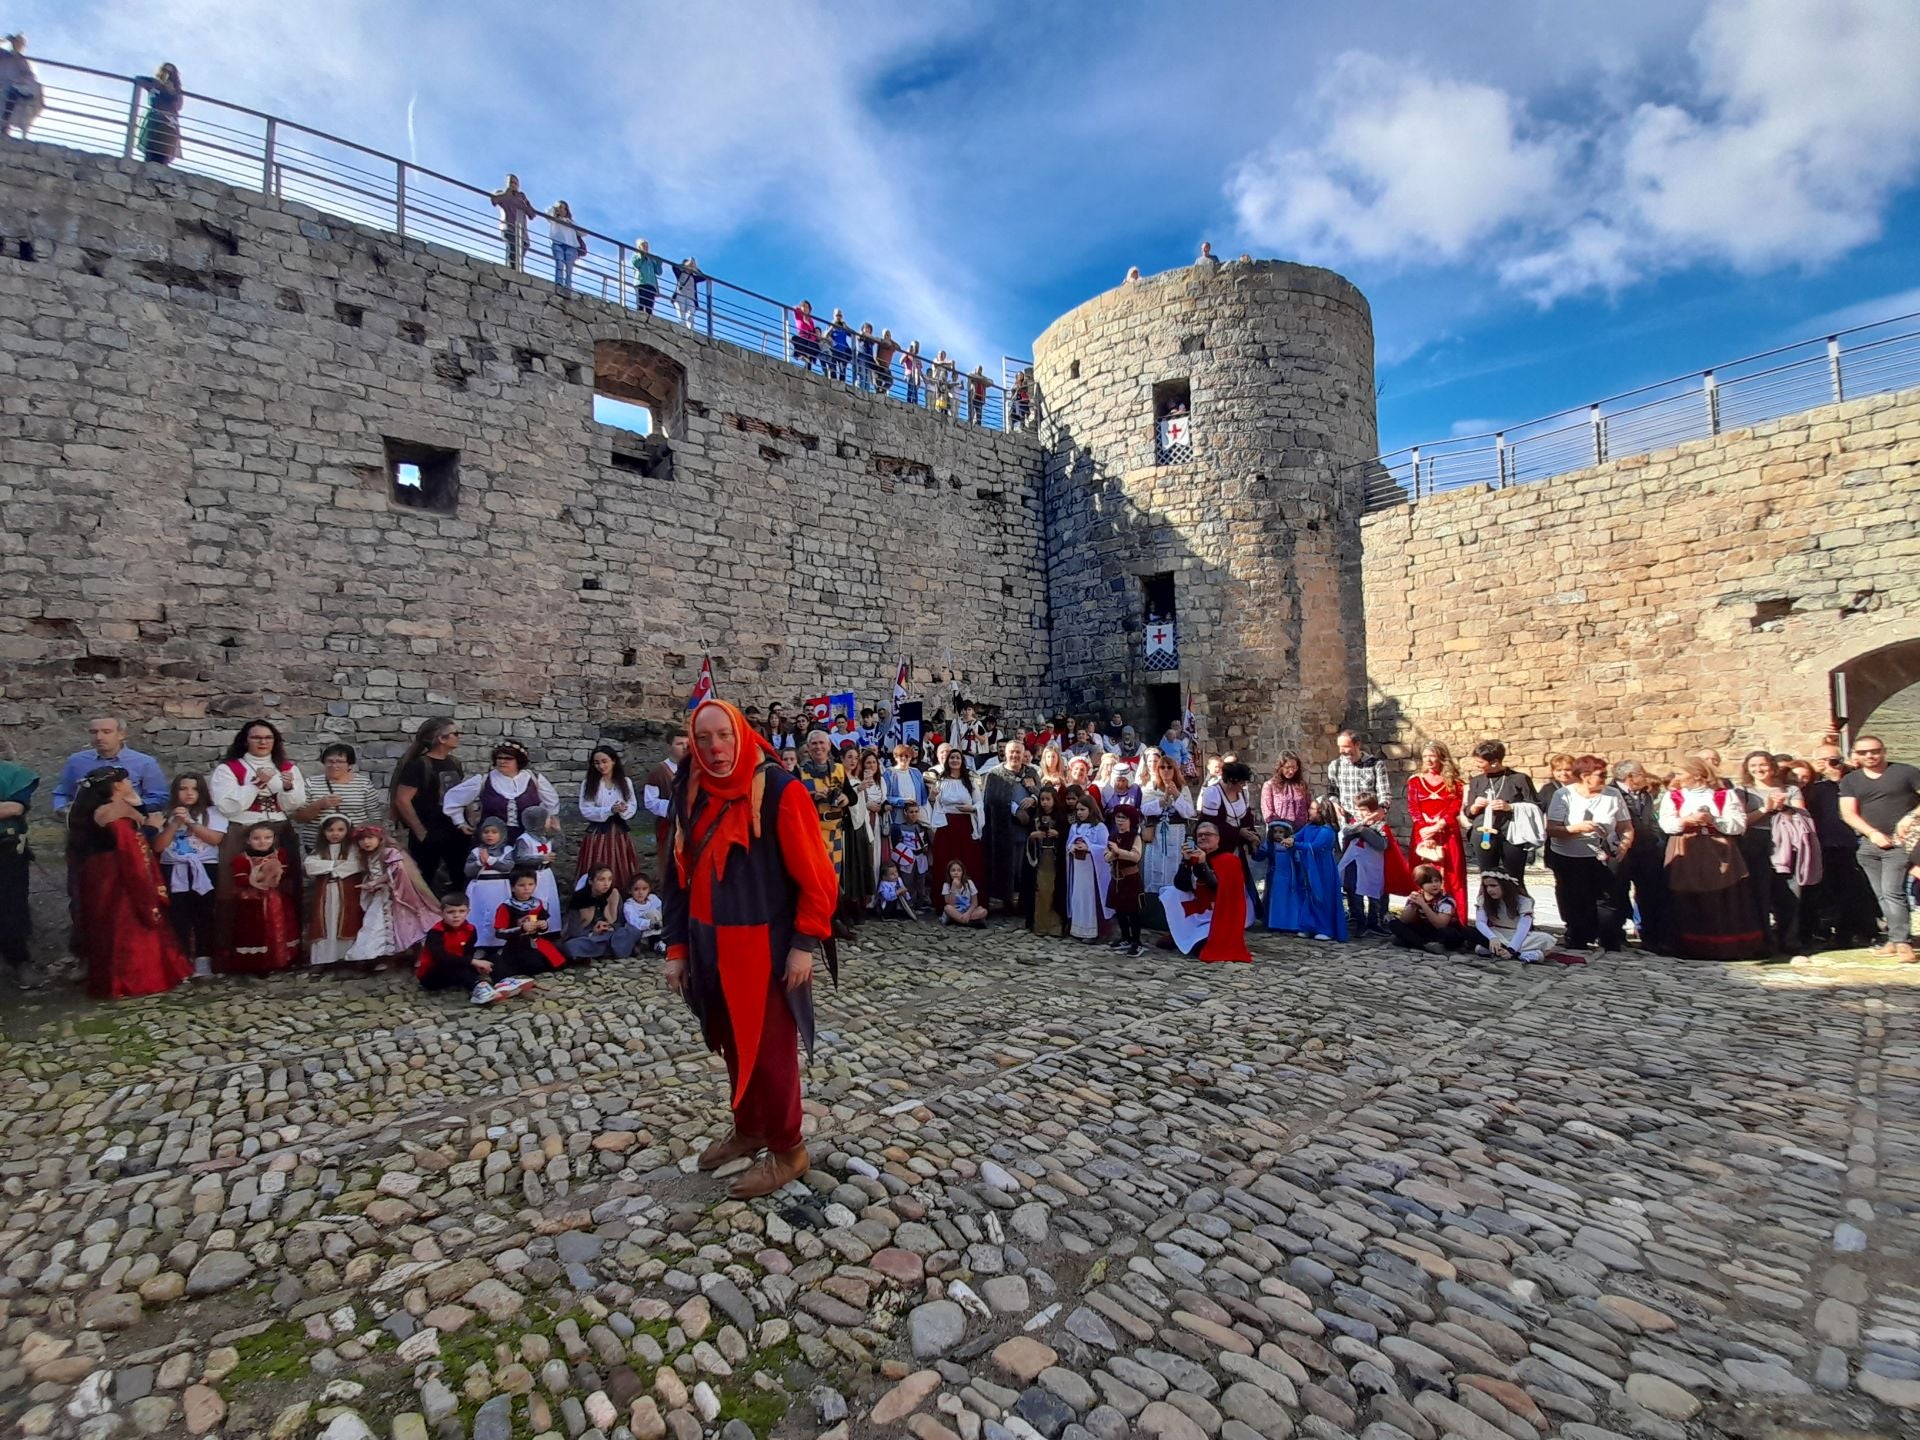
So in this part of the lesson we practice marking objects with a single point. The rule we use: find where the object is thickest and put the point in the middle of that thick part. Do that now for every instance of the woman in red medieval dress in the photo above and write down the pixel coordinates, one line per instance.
(127, 944)
(1434, 795)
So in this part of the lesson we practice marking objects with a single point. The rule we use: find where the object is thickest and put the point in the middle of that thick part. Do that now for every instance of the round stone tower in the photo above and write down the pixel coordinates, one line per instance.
(1206, 432)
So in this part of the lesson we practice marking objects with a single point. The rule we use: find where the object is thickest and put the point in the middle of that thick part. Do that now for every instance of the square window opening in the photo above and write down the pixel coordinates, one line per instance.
(1172, 422)
(1160, 643)
(423, 477)
(625, 415)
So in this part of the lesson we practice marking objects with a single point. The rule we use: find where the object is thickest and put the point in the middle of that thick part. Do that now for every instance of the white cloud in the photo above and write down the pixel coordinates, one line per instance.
(681, 126)
(1797, 125)
(1408, 165)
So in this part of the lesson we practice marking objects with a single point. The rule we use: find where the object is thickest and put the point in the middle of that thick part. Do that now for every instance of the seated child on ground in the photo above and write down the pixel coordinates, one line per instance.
(596, 930)
(643, 914)
(1427, 920)
(960, 902)
(1506, 922)
(522, 924)
(892, 897)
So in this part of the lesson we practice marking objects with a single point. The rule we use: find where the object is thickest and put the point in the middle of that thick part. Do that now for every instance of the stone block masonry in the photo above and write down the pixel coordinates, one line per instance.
(198, 391)
(1250, 527)
(1697, 596)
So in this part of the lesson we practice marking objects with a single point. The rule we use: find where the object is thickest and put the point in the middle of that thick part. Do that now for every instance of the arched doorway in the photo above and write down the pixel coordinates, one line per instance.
(1881, 690)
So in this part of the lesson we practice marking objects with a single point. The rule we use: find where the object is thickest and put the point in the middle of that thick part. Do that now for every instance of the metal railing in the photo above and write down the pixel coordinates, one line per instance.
(1866, 360)
(99, 111)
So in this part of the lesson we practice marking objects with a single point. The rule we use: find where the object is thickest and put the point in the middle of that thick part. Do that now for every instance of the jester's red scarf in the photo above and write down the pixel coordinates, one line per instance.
(749, 873)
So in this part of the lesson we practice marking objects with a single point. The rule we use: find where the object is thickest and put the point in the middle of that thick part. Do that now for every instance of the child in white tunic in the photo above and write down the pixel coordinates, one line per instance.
(1088, 875)
(489, 881)
(537, 850)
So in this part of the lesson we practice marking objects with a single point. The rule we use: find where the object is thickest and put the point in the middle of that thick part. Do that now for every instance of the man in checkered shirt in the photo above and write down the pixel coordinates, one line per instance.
(1353, 773)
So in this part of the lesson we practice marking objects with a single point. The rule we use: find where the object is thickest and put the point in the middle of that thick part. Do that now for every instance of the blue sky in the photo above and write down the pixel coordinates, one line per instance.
(1546, 204)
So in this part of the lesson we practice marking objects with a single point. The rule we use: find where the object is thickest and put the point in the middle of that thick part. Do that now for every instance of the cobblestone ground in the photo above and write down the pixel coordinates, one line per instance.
(1340, 1192)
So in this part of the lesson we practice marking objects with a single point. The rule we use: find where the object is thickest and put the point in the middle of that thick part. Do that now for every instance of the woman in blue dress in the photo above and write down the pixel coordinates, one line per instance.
(1303, 888)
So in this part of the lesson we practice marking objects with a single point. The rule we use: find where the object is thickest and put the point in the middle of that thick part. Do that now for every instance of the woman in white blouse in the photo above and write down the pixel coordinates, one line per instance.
(1166, 804)
(868, 817)
(504, 793)
(956, 817)
(255, 784)
(608, 805)
(1714, 917)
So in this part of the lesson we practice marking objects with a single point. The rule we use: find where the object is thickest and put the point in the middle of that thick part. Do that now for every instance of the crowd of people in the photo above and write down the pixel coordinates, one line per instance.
(1076, 829)
(22, 98)
(860, 359)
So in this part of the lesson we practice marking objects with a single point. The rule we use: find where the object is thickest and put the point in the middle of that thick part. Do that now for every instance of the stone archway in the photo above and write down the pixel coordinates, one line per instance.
(637, 372)
(1867, 682)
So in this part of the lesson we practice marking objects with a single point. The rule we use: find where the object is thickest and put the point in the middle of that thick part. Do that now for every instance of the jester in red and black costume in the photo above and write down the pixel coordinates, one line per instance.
(748, 903)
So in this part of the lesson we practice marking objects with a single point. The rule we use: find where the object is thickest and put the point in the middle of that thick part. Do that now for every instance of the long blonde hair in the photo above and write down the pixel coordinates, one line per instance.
(1449, 771)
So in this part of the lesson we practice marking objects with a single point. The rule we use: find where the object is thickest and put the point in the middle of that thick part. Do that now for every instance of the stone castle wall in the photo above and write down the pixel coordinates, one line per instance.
(1698, 596)
(1255, 529)
(196, 387)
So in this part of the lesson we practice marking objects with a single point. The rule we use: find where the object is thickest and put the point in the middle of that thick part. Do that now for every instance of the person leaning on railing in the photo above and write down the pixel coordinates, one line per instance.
(566, 242)
(20, 95)
(516, 210)
(806, 335)
(160, 129)
(646, 277)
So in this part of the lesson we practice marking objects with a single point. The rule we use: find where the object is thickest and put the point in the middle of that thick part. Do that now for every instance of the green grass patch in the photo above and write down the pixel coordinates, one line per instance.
(279, 1352)
(741, 1399)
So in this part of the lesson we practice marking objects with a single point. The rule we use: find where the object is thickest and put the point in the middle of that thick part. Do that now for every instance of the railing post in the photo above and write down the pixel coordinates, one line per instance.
(1500, 460)
(1710, 387)
(267, 158)
(1416, 473)
(786, 334)
(133, 121)
(400, 196)
(1833, 368)
(709, 309)
(1599, 434)
(620, 271)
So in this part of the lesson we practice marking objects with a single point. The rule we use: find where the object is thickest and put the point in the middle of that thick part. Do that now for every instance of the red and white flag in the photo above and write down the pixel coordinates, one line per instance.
(900, 683)
(703, 686)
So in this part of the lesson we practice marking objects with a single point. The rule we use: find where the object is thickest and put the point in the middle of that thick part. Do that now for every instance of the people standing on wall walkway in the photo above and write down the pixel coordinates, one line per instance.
(516, 213)
(160, 128)
(686, 290)
(565, 241)
(1873, 800)
(21, 97)
(646, 277)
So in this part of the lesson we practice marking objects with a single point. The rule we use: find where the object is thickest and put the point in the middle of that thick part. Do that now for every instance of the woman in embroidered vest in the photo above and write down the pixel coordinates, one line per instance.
(255, 784)
(956, 817)
(608, 805)
(505, 793)
(129, 946)
(1713, 912)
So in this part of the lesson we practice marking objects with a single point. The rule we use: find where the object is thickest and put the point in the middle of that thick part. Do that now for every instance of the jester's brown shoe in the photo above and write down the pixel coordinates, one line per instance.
(770, 1173)
(735, 1147)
